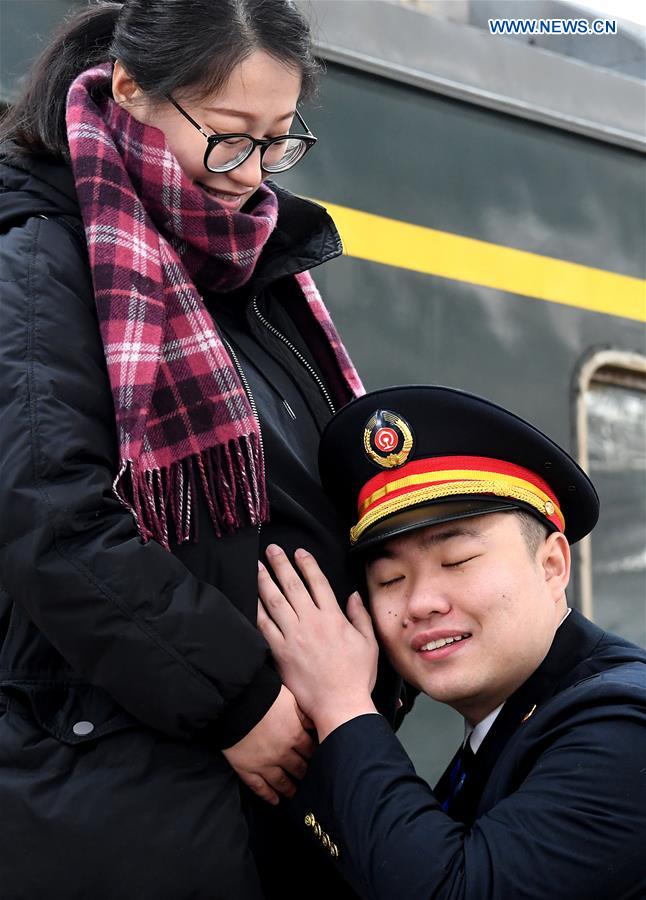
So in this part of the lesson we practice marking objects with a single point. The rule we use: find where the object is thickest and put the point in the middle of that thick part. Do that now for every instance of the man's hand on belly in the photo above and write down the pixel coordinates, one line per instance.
(275, 751)
(327, 660)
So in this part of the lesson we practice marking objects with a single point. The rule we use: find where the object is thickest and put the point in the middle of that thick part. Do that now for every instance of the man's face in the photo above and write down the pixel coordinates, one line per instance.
(474, 584)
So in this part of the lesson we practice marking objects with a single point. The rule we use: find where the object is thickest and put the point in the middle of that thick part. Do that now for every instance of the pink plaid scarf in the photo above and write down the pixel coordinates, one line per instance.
(154, 238)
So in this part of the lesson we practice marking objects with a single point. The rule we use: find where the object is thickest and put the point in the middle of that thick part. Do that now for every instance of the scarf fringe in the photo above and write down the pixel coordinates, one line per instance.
(163, 501)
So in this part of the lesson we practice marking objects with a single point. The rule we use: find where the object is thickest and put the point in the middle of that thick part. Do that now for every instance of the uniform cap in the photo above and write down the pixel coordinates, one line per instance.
(401, 458)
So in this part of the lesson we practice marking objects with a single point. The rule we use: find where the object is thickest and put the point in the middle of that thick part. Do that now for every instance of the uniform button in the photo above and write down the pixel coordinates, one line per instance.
(317, 829)
(334, 851)
(82, 728)
(549, 507)
(310, 821)
(325, 839)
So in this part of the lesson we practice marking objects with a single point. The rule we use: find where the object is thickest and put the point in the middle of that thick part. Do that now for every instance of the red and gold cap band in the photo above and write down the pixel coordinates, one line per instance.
(442, 477)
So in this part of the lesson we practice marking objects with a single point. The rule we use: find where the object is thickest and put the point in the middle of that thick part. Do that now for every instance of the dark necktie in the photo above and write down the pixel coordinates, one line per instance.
(457, 778)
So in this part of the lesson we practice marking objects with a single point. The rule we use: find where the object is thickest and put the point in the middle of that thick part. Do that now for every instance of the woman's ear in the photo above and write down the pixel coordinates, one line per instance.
(125, 89)
(555, 559)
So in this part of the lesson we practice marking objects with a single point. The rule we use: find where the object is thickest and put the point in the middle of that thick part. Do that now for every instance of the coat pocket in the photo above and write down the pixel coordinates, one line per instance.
(71, 713)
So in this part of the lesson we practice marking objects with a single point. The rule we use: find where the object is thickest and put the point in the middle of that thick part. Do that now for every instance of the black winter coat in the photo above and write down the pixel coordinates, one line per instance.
(124, 668)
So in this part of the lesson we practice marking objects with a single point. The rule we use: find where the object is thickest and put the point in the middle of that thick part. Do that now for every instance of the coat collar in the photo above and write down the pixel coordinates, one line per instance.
(305, 236)
(564, 665)
(573, 643)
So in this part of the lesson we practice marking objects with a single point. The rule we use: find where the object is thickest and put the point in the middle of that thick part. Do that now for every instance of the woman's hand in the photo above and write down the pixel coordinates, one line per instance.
(328, 662)
(275, 749)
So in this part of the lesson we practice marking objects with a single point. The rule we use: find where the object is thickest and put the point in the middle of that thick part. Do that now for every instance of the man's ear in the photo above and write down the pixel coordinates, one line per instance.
(125, 89)
(555, 559)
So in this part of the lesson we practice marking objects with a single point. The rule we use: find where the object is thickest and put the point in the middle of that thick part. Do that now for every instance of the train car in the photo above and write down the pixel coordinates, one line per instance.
(491, 196)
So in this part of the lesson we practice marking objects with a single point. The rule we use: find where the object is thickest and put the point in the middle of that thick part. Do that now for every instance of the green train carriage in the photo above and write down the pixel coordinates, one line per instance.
(491, 196)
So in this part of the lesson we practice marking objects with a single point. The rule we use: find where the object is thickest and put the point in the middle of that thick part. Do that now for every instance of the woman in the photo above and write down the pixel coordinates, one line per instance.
(167, 368)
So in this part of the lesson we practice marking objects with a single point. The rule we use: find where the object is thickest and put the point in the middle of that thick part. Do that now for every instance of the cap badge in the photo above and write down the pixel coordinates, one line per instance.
(387, 439)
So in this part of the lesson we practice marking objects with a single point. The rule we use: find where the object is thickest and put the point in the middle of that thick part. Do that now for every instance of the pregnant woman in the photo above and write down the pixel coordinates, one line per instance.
(167, 366)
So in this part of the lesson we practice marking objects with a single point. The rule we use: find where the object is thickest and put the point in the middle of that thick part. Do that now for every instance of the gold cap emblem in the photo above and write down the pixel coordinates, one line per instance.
(387, 439)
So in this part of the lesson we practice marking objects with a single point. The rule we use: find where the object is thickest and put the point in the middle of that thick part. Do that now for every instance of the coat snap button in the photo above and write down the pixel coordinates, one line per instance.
(82, 728)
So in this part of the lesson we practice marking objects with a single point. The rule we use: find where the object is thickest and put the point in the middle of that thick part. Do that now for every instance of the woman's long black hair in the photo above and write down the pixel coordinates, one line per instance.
(167, 46)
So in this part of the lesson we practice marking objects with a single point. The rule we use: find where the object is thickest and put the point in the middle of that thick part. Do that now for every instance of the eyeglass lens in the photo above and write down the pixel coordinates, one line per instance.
(276, 157)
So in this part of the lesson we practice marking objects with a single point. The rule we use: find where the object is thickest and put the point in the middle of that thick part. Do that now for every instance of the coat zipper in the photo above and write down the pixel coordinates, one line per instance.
(299, 356)
(291, 412)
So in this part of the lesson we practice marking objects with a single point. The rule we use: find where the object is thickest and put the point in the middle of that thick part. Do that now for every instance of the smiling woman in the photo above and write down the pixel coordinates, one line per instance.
(260, 95)
(227, 150)
(164, 420)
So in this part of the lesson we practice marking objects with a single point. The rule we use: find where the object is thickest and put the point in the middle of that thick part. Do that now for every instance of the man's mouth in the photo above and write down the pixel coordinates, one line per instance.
(443, 642)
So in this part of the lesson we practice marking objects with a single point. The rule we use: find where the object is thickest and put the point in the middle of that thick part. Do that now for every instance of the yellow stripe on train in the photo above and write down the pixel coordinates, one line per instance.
(406, 246)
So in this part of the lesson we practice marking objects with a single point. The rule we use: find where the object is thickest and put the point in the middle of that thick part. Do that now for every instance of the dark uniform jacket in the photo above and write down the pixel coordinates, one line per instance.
(557, 802)
(125, 668)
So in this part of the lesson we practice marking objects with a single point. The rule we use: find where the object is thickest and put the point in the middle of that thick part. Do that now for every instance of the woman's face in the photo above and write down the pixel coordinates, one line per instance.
(258, 99)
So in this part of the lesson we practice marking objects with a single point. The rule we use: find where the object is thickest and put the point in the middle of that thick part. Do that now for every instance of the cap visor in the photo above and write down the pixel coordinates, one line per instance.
(433, 513)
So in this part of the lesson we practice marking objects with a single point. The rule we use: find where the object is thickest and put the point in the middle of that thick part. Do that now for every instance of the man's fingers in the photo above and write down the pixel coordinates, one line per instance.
(319, 586)
(259, 786)
(289, 580)
(280, 781)
(268, 628)
(359, 616)
(294, 764)
(305, 745)
(274, 601)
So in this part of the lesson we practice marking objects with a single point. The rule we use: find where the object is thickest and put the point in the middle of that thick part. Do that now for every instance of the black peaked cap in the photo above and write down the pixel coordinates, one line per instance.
(445, 421)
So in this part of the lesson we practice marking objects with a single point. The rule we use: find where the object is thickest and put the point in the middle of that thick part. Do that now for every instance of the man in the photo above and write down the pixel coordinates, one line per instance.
(463, 515)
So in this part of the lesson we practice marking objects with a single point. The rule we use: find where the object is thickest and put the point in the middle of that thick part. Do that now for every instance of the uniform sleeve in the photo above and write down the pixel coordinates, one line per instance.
(127, 616)
(571, 825)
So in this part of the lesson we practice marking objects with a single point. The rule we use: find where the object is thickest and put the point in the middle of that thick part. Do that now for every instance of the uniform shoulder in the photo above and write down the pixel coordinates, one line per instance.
(619, 682)
(626, 673)
(615, 657)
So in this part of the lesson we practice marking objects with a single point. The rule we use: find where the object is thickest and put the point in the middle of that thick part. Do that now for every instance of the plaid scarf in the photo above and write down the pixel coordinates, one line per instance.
(155, 240)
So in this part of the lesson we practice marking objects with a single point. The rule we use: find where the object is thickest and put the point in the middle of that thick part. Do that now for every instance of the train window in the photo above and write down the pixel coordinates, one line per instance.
(612, 442)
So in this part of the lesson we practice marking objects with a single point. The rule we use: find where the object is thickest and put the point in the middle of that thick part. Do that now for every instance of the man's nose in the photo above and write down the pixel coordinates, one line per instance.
(426, 598)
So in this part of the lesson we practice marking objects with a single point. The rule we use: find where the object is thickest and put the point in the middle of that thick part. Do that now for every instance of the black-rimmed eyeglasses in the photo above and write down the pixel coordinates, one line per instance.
(225, 152)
